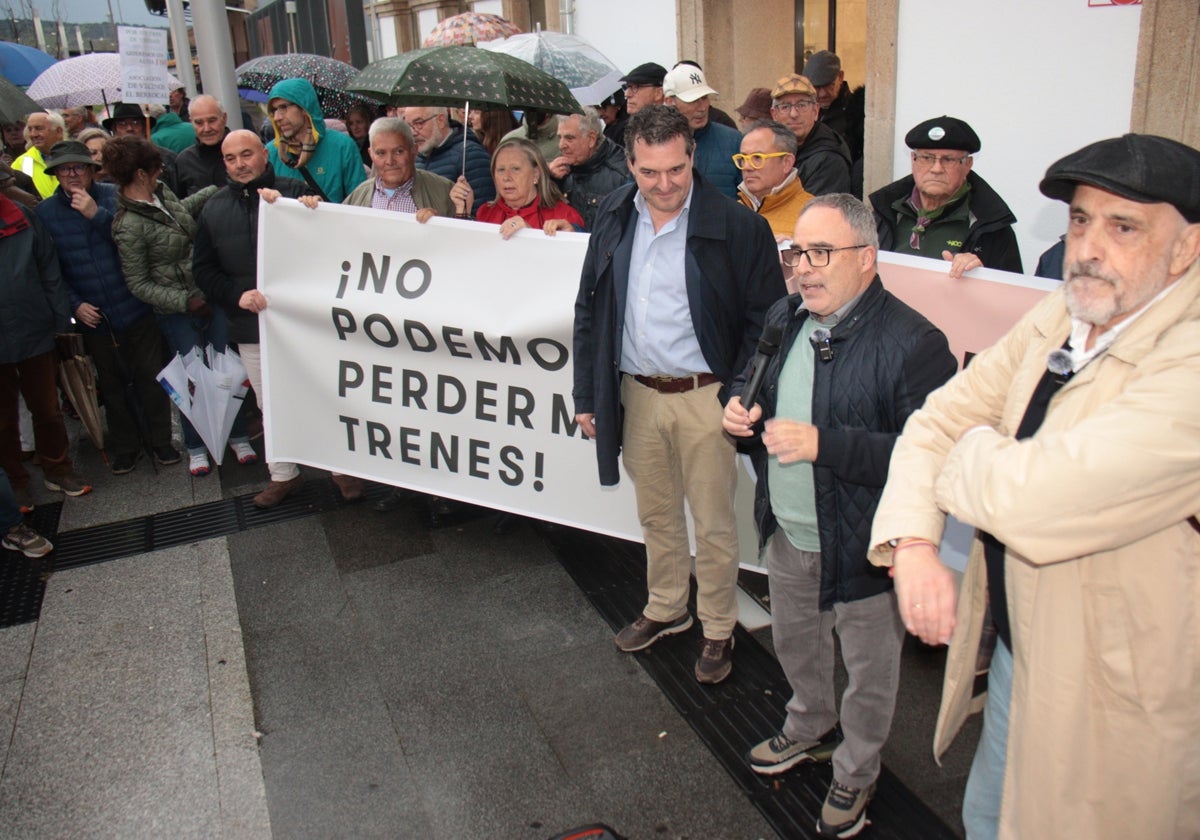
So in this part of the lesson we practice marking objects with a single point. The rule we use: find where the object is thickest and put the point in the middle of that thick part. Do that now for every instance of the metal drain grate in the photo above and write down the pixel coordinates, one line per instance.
(23, 581)
(733, 716)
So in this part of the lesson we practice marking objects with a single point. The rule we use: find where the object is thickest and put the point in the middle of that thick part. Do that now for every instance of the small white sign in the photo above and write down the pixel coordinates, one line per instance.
(143, 64)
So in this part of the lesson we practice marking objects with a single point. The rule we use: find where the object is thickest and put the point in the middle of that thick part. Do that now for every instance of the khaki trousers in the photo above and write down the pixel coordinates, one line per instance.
(674, 449)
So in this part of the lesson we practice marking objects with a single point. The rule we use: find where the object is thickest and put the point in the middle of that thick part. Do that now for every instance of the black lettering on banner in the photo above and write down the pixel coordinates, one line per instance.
(343, 322)
(410, 450)
(350, 423)
(550, 364)
(413, 329)
(350, 375)
(378, 439)
(445, 384)
(442, 454)
(381, 380)
(562, 419)
(389, 338)
(456, 348)
(513, 475)
(520, 406)
(413, 389)
(376, 274)
(478, 458)
(483, 401)
(506, 351)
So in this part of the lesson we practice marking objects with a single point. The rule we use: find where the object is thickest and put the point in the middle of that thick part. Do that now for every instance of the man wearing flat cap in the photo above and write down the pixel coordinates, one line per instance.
(1073, 447)
(643, 86)
(944, 210)
(822, 157)
(841, 110)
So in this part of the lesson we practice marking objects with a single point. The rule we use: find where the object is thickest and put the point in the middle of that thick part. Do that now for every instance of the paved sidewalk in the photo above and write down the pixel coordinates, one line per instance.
(351, 674)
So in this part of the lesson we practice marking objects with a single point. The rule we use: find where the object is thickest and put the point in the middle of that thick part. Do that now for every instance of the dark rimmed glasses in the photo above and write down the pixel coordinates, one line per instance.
(817, 257)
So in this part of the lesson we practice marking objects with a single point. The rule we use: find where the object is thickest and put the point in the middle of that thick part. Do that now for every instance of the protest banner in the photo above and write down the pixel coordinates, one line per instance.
(143, 64)
(438, 356)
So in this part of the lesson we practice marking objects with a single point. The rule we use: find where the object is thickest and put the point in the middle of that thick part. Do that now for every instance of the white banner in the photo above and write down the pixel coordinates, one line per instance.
(143, 64)
(437, 357)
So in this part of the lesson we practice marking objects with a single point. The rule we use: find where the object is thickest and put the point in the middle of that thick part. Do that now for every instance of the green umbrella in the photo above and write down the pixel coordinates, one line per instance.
(15, 104)
(452, 76)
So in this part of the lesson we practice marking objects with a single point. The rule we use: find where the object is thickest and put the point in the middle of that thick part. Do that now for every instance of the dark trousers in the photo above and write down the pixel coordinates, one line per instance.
(35, 379)
(135, 355)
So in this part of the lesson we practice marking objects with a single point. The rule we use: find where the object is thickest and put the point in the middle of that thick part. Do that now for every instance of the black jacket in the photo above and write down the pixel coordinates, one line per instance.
(732, 276)
(990, 236)
(824, 162)
(199, 166)
(225, 254)
(886, 359)
(587, 184)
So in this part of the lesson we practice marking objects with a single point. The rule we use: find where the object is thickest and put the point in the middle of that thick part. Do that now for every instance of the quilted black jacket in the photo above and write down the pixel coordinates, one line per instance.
(886, 359)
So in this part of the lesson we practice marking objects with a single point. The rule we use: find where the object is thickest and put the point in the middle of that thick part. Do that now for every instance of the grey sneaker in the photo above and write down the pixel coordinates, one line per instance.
(29, 542)
(715, 662)
(69, 483)
(644, 632)
(780, 753)
(844, 813)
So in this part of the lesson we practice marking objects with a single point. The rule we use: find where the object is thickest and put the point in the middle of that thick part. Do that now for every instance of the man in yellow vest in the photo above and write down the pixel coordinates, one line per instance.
(42, 131)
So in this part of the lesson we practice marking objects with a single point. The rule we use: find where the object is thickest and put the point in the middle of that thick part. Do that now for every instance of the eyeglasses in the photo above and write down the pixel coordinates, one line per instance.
(71, 169)
(631, 87)
(817, 257)
(755, 160)
(947, 161)
(792, 107)
(418, 124)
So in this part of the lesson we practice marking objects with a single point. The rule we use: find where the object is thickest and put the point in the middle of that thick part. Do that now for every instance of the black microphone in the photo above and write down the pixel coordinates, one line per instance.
(820, 340)
(768, 346)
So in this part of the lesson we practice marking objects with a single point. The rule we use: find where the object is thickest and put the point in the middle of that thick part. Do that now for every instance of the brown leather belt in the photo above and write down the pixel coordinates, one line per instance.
(677, 385)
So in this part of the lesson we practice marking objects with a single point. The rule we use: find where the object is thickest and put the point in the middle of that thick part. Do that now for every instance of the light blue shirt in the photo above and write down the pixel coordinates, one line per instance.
(659, 338)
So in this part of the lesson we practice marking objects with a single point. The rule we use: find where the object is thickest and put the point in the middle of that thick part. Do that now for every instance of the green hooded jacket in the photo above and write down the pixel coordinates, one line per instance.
(335, 165)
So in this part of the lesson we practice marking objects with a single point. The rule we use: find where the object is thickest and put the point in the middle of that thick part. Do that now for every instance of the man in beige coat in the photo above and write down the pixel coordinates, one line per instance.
(1073, 445)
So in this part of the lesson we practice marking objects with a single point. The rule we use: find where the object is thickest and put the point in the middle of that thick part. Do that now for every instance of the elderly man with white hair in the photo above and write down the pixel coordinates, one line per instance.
(589, 165)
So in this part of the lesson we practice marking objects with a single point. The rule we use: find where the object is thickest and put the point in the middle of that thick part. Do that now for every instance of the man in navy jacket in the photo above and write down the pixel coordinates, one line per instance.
(119, 331)
(674, 287)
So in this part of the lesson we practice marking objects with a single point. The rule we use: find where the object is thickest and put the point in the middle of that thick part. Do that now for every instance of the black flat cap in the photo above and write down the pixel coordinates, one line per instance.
(1140, 167)
(943, 133)
(646, 74)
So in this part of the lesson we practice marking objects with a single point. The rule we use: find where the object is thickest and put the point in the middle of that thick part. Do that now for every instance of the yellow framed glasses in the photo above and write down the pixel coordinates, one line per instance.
(756, 160)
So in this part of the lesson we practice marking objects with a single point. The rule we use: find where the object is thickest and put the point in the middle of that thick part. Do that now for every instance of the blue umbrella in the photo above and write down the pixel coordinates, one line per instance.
(21, 64)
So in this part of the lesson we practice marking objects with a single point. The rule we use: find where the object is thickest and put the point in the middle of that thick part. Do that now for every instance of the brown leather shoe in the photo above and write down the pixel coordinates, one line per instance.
(276, 491)
(351, 486)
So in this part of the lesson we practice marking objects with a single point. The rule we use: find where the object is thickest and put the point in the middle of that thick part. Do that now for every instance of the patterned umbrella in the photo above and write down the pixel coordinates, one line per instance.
(589, 74)
(14, 103)
(468, 28)
(450, 76)
(89, 79)
(328, 75)
(21, 64)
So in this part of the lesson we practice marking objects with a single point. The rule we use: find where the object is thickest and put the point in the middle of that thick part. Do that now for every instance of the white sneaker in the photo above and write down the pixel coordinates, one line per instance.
(198, 464)
(245, 452)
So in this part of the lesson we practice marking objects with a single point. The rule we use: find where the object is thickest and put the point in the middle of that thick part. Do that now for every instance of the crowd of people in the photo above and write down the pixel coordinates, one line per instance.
(1071, 445)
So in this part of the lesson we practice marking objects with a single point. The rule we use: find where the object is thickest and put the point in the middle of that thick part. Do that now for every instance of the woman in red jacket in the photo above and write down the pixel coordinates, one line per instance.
(526, 195)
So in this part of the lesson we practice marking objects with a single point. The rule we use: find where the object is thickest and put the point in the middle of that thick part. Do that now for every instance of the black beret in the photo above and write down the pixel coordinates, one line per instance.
(943, 133)
(1140, 167)
(646, 74)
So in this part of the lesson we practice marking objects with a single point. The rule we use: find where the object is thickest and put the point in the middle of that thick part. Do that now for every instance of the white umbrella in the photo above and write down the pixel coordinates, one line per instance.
(209, 395)
(590, 75)
(91, 79)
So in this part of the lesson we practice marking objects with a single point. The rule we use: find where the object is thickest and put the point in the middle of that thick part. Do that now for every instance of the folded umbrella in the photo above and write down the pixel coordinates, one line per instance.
(77, 375)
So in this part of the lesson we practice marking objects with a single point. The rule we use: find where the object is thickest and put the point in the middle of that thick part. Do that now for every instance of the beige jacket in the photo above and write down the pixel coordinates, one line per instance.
(429, 190)
(1102, 571)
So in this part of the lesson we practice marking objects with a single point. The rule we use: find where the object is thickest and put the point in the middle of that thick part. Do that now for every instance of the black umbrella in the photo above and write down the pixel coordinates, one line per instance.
(15, 104)
(132, 401)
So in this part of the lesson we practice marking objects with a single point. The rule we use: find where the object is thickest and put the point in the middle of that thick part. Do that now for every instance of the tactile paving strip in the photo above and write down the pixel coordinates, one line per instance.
(733, 716)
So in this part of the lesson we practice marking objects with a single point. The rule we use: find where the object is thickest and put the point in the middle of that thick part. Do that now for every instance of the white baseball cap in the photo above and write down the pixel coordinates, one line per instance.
(687, 82)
